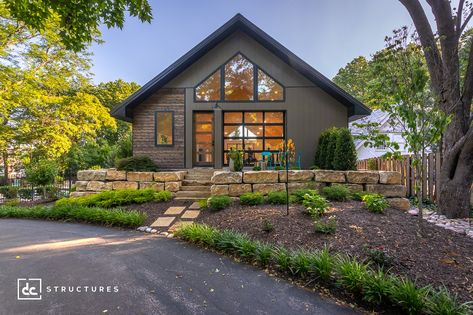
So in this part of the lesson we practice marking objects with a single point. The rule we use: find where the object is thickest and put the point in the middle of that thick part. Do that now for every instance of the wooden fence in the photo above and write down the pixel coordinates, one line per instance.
(430, 180)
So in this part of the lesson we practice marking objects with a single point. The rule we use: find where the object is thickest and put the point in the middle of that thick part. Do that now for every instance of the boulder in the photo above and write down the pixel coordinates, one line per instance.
(399, 203)
(75, 194)
(152, 185)
(362, 177)
(256, 177)
(139, 176)
(91, 175)
(81, 185)
(236, 190)
(387, 190)
(168, 176)
(95, 185)
(172, 186)
(218, 190)
(267, 188)
(329, 176)
(354, 187)
(393, 178)
(225, 177)
(115, 175)
(296, 176)
(124, 185)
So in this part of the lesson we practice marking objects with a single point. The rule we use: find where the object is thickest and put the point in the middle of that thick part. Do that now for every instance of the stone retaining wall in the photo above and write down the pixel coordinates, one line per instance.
(235, 184)
(93, 181)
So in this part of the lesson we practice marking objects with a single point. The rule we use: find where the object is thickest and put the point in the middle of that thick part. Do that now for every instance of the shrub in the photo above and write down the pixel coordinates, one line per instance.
(372, 165)
(42, 173)
(345, 152)
(336, 192)
(279, 168)
(380, 257)
(321, 264)
(408, 296)
(298, 195)
(267, 226)
(442, 302)
(282, 258)
(351, 274)
(9, 192)
(300, 262)
(315, 205)
(12, 202)
(359, 195)
(216, 203)
(328, 226)
(251, 199)
(375, 203)
(25, 193)
(137, 164)
(203, 203)
(256, 168)
(236, 157)
(77, 213)
(263, 253)
(277, 197)
(198, 233)
(320, 160)
(377, 287)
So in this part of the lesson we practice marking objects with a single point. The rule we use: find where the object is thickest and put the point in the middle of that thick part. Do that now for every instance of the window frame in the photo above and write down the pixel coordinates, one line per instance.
(222, 99)
(156, 128)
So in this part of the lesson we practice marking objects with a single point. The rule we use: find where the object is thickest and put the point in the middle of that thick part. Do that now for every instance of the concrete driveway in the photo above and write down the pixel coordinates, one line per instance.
(152, 275)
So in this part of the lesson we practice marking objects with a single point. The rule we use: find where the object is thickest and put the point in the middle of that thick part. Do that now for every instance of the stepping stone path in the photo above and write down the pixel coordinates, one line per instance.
(172, 219)
(461, 226)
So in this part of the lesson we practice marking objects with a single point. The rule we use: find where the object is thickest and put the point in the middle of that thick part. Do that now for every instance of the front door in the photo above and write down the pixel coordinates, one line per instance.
(203, 136)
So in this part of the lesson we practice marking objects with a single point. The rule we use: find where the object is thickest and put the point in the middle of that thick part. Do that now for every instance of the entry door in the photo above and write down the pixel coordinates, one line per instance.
(203, 133)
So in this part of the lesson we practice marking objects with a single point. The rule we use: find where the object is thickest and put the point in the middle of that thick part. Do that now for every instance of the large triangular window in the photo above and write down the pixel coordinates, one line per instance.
(239, 80)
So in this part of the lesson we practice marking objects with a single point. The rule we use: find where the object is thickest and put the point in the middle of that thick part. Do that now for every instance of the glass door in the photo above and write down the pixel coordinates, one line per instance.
(203, 134)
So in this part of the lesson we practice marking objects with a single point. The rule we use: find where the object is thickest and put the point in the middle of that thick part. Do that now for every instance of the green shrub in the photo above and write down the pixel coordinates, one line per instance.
(377, 287)
(251, 199)
(198, 233)
(12, 202)
(359, 195)
(216, 203)
(228, 241)
(380, 257)
(375, 203)
(336, 192)
(345, 152)
(328, 226)
(137, 164)
(263, 253)
(408, 296)
(256, 168)
(277, 198)
(203, 203)
(9, 192)
(25, 193)
(298, 195)
(300, 262)
(322, 264)
(42, 173)
(442, 302)
(279, 168)
(351, 274)
(267, 226)
(372, 165)
(236, 157)
(76, 213)
(321, 160)
(282, 258)
(114, 198)
(315, 205)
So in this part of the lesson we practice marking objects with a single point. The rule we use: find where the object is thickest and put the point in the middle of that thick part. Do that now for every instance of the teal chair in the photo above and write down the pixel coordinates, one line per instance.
(267, 155)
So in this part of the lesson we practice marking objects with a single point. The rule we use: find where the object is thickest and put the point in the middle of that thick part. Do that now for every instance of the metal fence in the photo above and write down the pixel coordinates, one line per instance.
(430, 178)
(18, 188)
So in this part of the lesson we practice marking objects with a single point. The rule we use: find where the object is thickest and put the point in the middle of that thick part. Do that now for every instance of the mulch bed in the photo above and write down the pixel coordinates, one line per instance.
(421, 251)
(154, 209)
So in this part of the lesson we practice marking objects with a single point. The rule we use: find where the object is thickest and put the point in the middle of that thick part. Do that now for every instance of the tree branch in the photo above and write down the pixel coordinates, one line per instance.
(467, 19)
(448, 161)
(459, 16)
(467, 95)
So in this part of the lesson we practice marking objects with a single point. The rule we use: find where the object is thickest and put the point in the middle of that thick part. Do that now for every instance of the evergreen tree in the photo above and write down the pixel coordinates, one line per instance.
(330, 148)
(345, 153)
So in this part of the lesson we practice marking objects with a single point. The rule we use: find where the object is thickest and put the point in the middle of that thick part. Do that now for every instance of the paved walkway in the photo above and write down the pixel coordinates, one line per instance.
(154, 275)
(175, 217)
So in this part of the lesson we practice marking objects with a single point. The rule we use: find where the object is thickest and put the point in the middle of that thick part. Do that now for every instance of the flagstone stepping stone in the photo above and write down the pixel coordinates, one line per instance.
(178, 225)
(174, 210)
(163, 222)
(190, 214)
(194, 205)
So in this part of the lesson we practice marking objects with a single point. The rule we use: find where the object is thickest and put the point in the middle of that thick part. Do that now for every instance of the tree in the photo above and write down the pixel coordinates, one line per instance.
(77, 21)
(453, 96)
(345, 151)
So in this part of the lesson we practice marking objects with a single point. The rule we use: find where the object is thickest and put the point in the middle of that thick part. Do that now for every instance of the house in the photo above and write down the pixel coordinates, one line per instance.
(385, 126)
(237, 88)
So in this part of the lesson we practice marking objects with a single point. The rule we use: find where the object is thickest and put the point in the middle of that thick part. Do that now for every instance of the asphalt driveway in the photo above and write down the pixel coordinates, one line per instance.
(137, 274)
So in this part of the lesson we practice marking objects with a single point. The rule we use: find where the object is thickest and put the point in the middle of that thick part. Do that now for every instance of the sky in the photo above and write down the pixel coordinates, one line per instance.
(327, 34)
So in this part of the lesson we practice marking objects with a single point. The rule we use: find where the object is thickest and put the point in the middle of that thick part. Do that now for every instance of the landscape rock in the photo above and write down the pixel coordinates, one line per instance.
(226, 177)
(219, 190)
(256, 177)
(267, 188)
(172, 186)
(387, 190)
(329, 176)
(91, 175)
(399, 203)
(168, 176)
(140, 176)
(296, 176)
(115, 175)
(238, 189)
(124, 185)
(152, 185)
(393, 178)
(81, 185)
(362, 177)
(81, 193)
(353, 188)
(95, 185)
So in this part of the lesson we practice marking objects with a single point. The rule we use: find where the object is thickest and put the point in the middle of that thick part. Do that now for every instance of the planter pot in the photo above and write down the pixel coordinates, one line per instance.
(231, 164)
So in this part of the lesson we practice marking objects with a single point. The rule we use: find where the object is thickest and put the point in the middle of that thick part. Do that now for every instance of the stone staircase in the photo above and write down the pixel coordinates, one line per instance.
(196, 184)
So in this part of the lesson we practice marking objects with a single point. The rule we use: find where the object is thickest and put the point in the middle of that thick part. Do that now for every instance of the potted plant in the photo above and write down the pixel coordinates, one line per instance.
(235, 158)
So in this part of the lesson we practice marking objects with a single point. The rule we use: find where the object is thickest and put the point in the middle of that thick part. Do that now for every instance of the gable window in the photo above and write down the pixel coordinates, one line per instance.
(164, 124)
(239, 80)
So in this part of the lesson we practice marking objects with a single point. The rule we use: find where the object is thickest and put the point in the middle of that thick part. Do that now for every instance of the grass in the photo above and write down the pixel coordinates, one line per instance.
(76, 213)
(374, 286)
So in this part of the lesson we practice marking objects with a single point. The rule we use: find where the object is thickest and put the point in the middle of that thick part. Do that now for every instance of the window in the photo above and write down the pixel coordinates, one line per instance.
(253, 132)
(164, 121)
(239, 80)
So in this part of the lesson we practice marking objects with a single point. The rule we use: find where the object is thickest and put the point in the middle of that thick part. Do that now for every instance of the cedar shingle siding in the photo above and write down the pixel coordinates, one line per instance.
(144, 140)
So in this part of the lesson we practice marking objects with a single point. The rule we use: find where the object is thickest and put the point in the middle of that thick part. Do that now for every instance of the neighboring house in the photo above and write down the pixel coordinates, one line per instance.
(393, 131)
(237, 88)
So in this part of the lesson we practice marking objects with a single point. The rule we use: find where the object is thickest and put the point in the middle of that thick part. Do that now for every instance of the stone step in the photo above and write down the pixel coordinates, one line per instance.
(195, 188)
(194, 194)
(196, 182)
(198, 177)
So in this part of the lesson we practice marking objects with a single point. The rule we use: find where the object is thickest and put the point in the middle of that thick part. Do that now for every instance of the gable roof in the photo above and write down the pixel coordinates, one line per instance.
(239, 23)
